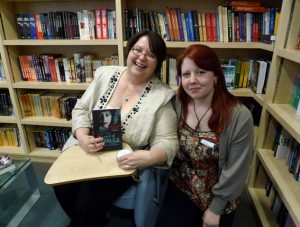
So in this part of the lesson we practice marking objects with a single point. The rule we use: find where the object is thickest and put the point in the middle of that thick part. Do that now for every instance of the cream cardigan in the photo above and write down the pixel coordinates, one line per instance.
(151, 122)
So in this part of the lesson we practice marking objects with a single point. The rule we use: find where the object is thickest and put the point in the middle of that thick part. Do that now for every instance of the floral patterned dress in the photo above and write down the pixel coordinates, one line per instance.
(195, 167)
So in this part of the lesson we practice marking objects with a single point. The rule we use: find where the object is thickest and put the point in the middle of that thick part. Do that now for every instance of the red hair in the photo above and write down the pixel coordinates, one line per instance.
(222, 101)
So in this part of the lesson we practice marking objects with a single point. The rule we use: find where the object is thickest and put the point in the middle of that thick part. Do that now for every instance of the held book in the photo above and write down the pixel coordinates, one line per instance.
(107, 124)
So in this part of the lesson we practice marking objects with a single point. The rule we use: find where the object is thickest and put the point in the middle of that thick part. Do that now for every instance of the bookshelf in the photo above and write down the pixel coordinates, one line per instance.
(285, 65)
(277, 110)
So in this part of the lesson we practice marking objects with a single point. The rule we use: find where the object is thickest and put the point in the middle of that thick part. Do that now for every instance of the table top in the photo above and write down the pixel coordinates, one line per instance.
(5, 177)
(75, 165)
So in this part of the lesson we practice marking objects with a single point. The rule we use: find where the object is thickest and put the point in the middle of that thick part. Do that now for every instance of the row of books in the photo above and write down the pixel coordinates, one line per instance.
(86, 24)
(48, 104)
(282, 215)
(6, 107)
(246, 73)
(51, 137)
(225, 24)
(9, 135)
(54, 68)
(2, 74)
(286, 148)
(168, 73)
(295, 94)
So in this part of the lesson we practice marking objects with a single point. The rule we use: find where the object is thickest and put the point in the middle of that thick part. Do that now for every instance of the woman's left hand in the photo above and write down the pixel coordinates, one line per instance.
(210, 219)
(134, 160)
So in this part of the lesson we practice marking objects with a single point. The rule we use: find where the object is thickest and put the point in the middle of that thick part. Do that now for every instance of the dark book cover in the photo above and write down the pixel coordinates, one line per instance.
(107, 124)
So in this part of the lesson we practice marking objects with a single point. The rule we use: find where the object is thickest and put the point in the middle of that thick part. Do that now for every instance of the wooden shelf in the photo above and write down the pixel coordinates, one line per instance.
(3, 84)
(8, 119)
(290, 54)
(60, 42)
(285, 114)
(46, 121)
(51, 85)
(287, 187)
(12, 150)
(262, 206)
(44, 155)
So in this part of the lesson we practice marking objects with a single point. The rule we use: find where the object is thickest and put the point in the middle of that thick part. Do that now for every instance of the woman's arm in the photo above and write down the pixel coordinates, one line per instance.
(239, 149)
(163, 142)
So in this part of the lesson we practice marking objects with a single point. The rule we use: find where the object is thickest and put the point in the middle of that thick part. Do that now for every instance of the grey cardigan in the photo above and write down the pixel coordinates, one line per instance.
(151, 121)
(235, 152)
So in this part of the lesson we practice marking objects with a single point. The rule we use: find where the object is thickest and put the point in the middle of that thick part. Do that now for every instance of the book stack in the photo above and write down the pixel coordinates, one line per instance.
(6, 164)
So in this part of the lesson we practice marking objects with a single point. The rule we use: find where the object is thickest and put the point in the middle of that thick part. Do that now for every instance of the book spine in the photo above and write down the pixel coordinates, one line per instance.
(170, 25)
(32, 25)
(26, 26)
(208, 27)
(104, 22)
(127, 17)
(184, 28)
(242, 3)
(229, 20)
(20, 25)
(195, 25)
(249, 9)
(163, 13)
(175, 24)
(190, 25)
(180, 24)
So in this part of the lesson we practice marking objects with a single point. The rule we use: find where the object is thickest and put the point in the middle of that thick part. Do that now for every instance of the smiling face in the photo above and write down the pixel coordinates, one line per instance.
(137, 60)
(196, 82)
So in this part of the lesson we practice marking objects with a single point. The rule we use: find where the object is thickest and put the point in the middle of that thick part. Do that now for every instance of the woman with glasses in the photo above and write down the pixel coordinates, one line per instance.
(148, 126)
(215, 135)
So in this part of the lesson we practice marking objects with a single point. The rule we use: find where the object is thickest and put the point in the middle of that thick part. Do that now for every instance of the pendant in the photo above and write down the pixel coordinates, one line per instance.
(197, 128)
(125, 99)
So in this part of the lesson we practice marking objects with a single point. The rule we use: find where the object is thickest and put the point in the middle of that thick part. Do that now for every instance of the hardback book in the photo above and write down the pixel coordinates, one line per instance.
(6, 164)
(169, 22)
(107, 124)
(258, 82)
(249, 9)
(242, 3)
(283, 145)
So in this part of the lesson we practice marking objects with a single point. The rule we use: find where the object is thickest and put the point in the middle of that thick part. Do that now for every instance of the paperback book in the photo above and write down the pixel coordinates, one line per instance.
(229, 73)
(107, 124)
(6, 164)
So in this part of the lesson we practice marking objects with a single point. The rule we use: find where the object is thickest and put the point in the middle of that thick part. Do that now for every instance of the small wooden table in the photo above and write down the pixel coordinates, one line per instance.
(75, 165)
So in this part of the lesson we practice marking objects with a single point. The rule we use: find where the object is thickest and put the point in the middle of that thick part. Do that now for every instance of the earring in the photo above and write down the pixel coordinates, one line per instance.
(215, 82)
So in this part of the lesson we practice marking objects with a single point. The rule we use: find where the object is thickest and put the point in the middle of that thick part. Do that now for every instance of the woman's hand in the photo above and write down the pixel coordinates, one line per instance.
(210, 219)
(91, 144)
(134, 160)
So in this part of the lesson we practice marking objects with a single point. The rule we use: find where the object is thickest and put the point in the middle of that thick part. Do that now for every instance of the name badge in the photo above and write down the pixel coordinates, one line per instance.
(207, 143)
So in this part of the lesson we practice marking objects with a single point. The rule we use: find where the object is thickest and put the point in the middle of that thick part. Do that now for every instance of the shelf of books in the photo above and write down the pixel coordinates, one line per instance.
(274, 182)
(286, 115)
(286, 186)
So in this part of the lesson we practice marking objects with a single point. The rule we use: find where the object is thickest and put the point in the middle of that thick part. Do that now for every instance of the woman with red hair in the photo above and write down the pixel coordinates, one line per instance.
(215, 134)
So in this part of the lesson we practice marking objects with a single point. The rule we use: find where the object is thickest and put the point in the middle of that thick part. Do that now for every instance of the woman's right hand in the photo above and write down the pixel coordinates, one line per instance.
(89, 143)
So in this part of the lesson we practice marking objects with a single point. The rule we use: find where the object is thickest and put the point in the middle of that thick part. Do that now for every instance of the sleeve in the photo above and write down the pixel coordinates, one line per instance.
(235, 170)
(81, 112)
(164, 133)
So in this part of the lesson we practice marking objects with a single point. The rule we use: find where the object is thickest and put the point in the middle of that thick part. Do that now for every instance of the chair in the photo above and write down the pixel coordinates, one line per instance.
(146, 196)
